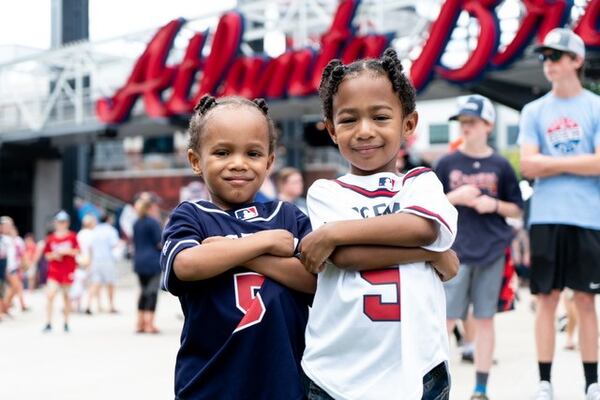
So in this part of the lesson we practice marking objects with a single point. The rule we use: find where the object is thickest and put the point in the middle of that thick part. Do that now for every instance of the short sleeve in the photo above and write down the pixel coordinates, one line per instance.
(596, 114)
(510, 190)
(320, 201)
(527, 127)
(183, 231)
(114, 237)
(422, 194)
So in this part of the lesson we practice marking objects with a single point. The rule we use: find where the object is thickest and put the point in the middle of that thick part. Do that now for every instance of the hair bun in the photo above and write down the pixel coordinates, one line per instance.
(338, 72)
(206, 103)
(262, 104)
(390, 60)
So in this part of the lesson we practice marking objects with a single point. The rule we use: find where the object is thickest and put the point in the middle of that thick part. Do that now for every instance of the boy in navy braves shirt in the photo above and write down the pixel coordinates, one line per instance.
(231, 263)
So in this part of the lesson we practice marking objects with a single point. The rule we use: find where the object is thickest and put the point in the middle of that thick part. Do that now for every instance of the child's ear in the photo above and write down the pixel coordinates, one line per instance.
(194, 160)
(331, 130)
(409, 124)
(270, 161)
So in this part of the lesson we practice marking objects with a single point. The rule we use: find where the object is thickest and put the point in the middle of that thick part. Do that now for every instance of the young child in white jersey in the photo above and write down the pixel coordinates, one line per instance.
(377, 327)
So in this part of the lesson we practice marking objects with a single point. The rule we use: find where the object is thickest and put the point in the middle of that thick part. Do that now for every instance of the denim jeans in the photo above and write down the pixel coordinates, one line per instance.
(436, 383)
(436, 386)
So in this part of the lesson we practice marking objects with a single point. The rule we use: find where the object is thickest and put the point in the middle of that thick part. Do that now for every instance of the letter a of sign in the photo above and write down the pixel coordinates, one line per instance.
(149, 77)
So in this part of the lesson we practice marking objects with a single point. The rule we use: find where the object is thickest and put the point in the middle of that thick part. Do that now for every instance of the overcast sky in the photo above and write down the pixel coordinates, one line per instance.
(27, 22)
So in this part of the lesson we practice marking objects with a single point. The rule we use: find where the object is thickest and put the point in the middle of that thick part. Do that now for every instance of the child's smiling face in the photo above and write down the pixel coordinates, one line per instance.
(234, 154)
(368, 125)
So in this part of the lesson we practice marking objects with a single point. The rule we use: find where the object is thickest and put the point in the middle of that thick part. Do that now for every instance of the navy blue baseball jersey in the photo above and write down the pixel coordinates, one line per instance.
(243, 334)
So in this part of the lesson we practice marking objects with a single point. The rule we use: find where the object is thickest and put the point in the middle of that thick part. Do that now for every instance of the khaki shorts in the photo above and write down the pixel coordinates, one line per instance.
(477, 285)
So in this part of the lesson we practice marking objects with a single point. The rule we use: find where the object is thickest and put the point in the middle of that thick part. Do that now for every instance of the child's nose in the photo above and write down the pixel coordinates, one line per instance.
(238, 162)
(365, 129)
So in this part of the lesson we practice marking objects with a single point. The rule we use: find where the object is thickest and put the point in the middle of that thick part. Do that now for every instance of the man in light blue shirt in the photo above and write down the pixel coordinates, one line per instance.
(560, 147)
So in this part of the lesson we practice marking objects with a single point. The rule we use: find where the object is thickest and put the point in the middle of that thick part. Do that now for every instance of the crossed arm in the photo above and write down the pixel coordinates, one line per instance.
(536, 165)
(352, 244)
(269, 253)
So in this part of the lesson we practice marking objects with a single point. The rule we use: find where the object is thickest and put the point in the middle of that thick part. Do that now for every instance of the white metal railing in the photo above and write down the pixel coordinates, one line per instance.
(61, 86)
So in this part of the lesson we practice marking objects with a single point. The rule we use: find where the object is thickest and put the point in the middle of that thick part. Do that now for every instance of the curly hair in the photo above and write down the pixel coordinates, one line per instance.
(388, 65)
(208, 104)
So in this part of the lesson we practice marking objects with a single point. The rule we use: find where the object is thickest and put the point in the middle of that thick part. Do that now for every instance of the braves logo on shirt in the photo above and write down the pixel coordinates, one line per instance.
(386, 183)
(564, 134)
(246, 213)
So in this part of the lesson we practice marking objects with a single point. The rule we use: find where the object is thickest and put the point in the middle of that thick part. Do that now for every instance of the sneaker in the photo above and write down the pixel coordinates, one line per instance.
(593, 392)
(479, 396)
(544, 391)
(47, 328)
(66, 328)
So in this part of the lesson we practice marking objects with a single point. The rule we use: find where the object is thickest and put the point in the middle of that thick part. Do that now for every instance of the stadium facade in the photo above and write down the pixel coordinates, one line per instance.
(104, 120)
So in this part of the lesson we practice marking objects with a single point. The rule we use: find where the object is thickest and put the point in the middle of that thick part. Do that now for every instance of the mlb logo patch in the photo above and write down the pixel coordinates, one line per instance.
(246, 213)
(387, 183)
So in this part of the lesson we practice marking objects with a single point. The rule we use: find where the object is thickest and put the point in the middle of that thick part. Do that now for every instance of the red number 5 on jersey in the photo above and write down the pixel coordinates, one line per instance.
(247, 298)
(373, 306)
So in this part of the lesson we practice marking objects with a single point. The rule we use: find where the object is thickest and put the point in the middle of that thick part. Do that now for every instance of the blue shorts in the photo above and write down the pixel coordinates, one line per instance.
(436, 386)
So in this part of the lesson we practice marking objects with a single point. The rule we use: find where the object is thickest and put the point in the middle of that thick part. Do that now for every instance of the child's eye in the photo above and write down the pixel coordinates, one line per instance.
(381, 117)
(346, 121)
(220, 152)
(255, 154)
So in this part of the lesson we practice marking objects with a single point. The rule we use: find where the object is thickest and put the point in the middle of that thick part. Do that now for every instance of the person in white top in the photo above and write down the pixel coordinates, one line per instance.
(103, 267)
(84, 238)
(16, 249)
(377, 327)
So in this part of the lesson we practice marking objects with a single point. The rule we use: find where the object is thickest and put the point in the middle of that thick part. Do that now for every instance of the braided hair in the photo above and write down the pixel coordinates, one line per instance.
(208, 103)
(388, 65)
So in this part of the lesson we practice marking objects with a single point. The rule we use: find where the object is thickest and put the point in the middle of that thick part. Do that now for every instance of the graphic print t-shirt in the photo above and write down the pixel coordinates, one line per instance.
(481, 238)
(564, 128)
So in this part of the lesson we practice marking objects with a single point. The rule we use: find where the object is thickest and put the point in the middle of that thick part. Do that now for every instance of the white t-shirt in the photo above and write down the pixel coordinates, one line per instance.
(104, 239)
(84, 238)
(361, 341)
(9, 250)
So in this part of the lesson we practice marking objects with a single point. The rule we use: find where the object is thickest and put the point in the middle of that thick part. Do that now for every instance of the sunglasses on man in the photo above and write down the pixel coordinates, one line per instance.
(553, 55)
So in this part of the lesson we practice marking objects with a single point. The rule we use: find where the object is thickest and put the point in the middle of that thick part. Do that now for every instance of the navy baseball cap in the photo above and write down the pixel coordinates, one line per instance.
(475, 106)
(563, 40)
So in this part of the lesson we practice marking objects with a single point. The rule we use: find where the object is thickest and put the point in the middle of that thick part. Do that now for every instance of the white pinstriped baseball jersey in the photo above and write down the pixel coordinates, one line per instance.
(374, 334)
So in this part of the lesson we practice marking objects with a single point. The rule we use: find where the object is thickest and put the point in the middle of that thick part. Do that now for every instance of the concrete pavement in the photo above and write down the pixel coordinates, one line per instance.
(101, 358)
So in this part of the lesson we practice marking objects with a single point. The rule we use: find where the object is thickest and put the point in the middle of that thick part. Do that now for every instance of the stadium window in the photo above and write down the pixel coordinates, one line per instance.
(512, 134)
(439, 134)
(161, 144)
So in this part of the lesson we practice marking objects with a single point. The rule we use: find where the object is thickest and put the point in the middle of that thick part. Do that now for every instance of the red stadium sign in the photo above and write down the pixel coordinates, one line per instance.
(297, 72)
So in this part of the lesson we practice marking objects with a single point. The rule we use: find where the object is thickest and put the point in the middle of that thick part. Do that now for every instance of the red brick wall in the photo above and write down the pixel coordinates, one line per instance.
(167, 187)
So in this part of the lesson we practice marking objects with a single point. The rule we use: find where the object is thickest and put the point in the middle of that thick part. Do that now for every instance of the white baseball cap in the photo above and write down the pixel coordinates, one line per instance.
(62, 215)
(477, 106)
(563, 39)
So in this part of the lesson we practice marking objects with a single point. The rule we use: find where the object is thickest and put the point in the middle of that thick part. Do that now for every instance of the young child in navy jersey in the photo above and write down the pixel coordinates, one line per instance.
(231, 263)
(377, 327)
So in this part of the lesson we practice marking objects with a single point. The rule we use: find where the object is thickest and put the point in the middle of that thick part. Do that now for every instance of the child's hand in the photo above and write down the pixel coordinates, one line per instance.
(446, 264)
(316, 247)
(465, 195)
(485, 204)
(280, 242)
